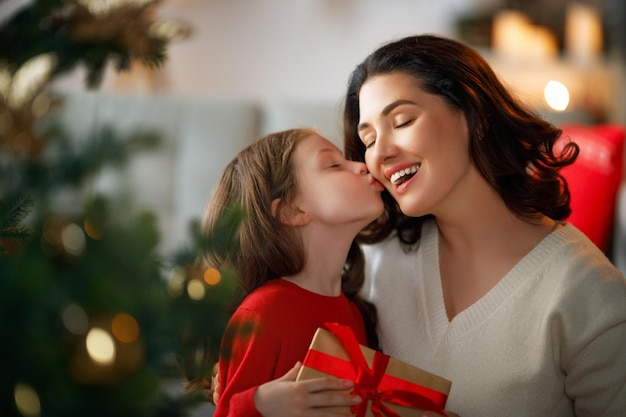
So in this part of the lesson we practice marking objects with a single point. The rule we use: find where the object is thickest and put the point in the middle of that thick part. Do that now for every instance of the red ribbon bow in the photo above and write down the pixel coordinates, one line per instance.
(373, 385)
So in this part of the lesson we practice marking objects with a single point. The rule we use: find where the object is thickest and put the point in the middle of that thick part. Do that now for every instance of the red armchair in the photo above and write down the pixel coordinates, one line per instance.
(594, 179)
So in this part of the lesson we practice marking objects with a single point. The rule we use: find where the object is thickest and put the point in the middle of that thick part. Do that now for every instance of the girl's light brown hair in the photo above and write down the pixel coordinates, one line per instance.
(259, 174)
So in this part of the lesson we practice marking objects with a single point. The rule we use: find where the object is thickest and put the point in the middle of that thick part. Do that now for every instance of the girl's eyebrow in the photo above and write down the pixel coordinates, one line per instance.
(329, 149)
(386, 110)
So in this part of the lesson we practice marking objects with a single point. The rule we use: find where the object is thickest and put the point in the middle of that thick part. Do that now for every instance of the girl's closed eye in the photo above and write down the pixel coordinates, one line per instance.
(330, 160)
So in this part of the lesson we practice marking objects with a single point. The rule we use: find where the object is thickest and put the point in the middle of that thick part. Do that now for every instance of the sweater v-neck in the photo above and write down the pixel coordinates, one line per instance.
(443, 330)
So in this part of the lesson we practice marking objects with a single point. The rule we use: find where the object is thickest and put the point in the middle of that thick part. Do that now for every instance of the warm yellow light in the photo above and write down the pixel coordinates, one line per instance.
(212, 276)
(125, 328)
(100, 346)
(195, 289)
(27, 400)
(556, 95)
(30, 78)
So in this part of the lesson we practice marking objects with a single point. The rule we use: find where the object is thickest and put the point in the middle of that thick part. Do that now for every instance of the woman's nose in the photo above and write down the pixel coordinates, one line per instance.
(383, 148)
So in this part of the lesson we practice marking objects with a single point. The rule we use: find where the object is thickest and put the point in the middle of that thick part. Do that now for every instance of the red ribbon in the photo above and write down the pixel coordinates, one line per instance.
(373, 384)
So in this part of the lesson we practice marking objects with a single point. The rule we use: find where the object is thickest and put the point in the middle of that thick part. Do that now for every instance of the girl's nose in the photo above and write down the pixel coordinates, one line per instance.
(361, 168)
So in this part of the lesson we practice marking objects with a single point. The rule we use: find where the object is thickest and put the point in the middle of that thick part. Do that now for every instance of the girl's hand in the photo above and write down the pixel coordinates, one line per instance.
(284, 397)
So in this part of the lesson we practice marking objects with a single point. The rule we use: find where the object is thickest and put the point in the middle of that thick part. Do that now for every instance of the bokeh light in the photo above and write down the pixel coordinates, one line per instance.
(212, 276)
(195, 289)
(125, 328)
(29, 78)
(91, 230)
(176, 281)
(27, 400)
(556, 95)
(75, 319)
(100, 346)
(73, 239)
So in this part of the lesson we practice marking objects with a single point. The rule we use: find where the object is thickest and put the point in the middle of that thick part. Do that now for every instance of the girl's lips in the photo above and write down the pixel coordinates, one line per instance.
(377, 184)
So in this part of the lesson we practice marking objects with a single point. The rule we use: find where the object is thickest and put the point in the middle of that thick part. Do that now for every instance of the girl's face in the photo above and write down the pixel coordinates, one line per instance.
(416, 144)
(333, 190)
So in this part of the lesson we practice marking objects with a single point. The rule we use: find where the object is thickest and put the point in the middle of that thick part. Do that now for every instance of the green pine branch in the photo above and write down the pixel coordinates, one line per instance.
(46, 26)
(11, 217)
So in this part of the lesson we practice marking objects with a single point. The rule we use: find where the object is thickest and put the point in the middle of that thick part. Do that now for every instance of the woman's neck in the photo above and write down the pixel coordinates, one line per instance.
(476, 254)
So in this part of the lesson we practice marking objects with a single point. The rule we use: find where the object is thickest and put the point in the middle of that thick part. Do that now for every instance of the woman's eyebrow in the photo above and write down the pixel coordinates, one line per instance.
(386, 110)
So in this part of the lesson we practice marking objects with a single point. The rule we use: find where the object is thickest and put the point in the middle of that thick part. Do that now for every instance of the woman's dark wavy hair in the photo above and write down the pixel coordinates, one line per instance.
(514, 149)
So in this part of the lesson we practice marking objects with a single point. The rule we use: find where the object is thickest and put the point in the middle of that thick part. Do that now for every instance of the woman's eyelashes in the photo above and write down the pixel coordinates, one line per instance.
(369, 139)
(403, 124)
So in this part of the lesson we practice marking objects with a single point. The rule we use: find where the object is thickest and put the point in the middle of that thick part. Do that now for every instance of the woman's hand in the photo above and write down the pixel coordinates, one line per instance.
(284, 397)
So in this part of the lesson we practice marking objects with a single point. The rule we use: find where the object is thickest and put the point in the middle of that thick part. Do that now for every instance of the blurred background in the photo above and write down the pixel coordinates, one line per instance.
(305, 49)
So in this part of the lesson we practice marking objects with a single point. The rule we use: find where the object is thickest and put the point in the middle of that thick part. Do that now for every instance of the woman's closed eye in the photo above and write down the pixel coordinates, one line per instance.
(404, 123)
(368, 141)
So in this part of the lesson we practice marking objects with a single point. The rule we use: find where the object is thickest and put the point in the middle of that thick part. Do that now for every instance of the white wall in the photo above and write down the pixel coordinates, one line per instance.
(264, 49)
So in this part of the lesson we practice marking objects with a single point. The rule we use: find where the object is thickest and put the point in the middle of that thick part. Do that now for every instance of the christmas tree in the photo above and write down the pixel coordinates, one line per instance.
(93, 318)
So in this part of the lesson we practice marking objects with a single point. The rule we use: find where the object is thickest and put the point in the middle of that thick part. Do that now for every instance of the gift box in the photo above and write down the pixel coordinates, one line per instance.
(389, 387)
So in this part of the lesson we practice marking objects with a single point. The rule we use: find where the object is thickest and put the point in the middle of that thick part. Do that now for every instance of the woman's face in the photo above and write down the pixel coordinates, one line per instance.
(416, 144)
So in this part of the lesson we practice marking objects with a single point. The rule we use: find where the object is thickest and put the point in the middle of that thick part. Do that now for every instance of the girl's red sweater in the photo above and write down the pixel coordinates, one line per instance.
(268, 333)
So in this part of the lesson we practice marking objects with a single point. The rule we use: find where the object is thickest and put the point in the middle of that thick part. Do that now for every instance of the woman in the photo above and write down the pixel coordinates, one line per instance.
(474, 273)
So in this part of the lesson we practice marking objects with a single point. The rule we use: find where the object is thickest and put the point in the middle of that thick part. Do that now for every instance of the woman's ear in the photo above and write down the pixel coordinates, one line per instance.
(289, 215)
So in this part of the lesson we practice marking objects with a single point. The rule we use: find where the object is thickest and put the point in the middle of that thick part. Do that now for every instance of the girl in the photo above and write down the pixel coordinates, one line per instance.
(304, 205)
